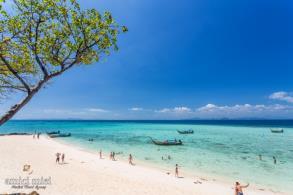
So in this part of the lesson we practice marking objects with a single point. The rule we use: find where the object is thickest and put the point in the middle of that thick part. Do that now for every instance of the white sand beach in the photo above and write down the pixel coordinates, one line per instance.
(84, 173)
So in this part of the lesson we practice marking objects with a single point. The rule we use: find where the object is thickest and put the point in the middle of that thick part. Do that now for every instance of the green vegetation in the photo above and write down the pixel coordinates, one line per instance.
(41, 39)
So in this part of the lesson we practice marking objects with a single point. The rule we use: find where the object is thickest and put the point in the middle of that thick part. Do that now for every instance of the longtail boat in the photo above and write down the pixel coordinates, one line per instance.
(167, 142)
(186, 132)
(60, 135)
(277, 130)
(53, 132)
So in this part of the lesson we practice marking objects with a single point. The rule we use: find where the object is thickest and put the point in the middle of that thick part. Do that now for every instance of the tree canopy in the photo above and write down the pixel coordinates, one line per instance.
(41, 39)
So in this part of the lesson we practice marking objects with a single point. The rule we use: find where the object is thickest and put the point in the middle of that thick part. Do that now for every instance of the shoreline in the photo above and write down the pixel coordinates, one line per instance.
(84, 169)
(196, 175)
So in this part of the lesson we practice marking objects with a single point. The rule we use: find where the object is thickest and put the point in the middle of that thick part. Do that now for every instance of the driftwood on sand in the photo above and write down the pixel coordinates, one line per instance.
(32, 193)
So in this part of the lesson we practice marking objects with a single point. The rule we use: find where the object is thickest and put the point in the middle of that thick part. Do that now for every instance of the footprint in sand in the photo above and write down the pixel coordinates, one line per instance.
(197, 182)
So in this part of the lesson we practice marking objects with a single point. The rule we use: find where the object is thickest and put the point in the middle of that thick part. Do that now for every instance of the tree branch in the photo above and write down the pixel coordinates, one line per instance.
(15, 74)
(41, 65)
(14, 109)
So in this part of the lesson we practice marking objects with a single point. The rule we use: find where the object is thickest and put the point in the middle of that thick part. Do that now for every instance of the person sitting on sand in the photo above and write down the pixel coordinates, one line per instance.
(176, 171)
(130, 159)
(57, 157)
(62, 158)
(238, 188)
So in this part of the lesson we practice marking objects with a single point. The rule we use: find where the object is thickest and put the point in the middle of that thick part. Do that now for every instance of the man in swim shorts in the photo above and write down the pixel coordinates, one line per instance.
(238, 188)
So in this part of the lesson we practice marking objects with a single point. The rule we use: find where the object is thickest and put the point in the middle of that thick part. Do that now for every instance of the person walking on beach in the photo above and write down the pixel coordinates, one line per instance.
(57, 157)
(113, 156)
(275, 160)
(176, 171)
(238, 188)
(100, 154)
(62, 158)
(130, 159)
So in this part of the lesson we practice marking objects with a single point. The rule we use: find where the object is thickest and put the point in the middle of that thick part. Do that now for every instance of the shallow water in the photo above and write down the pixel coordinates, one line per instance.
(220, 149)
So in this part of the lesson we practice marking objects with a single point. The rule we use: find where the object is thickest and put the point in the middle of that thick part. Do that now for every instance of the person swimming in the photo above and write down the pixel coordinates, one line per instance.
(238, 188)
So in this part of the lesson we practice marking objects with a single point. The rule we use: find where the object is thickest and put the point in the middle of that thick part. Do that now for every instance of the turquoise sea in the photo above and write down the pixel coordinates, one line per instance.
(224, 150)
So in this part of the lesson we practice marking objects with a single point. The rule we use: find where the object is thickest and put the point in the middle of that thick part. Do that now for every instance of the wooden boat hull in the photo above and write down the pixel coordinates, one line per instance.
(60, 135)
(185, 132)
(53, 132)
(277, 130)
(160, 143)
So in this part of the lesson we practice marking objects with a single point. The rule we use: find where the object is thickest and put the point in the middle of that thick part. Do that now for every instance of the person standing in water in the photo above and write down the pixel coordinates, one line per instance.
(176, 171)
(238, 188)
(275, 160)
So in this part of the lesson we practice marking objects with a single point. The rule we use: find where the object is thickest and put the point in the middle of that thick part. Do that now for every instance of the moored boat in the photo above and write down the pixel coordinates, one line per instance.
(167, 142)
(277, 130)
(190, 131)
(53, 132)
(60, 135)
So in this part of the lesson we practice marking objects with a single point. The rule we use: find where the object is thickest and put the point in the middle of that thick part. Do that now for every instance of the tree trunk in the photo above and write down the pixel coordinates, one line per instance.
(14, 109)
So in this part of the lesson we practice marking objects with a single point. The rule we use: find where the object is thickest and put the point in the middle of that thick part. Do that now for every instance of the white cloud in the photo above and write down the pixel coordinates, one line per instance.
(164, 110)
(242, 108)
(179, 110)
(282, 96)
(96, 110)
(208, 107)
(135, 109)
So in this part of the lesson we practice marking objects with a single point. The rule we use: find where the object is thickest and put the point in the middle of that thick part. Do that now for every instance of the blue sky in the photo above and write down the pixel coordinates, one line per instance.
(182, 59)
